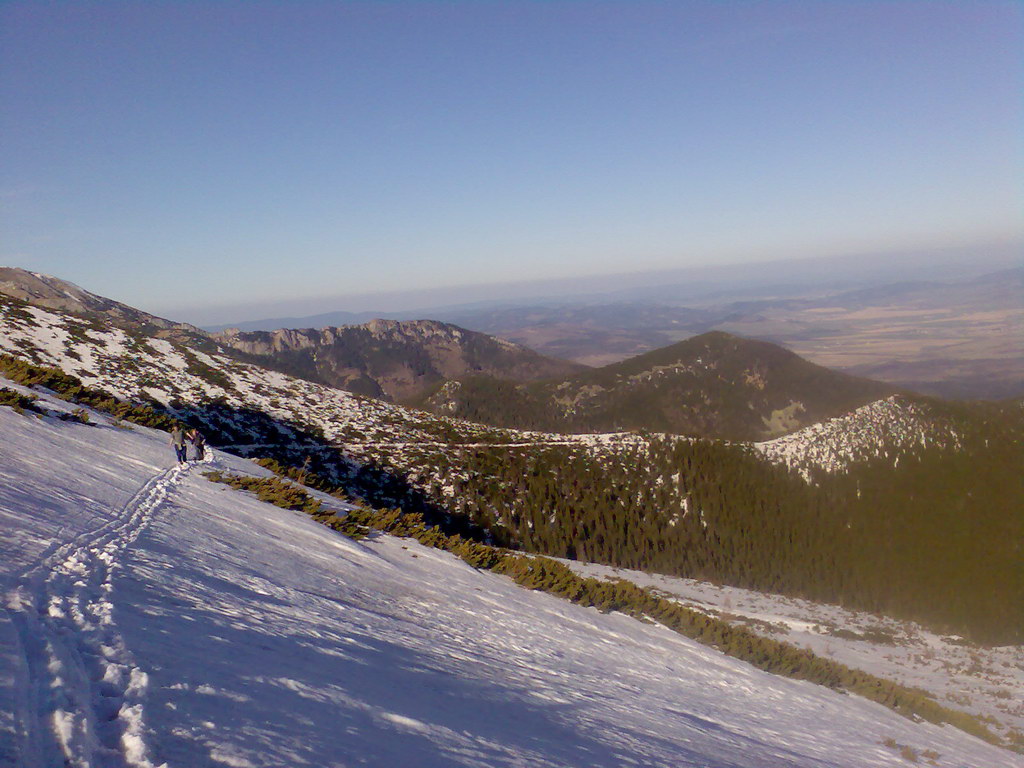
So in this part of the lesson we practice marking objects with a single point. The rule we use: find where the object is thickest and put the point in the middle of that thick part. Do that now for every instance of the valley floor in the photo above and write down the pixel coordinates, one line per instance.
(152, 617)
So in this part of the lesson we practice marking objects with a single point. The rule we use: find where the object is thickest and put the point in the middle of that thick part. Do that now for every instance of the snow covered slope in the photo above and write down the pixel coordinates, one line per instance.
(131, 367)
(881, 428)
(152, 618)
(985, 682)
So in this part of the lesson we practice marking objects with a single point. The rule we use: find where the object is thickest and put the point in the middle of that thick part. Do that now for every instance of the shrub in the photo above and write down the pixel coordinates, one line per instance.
(19, 402)
(70, 388)
(207, 373)
(271, 490)
(79, 414)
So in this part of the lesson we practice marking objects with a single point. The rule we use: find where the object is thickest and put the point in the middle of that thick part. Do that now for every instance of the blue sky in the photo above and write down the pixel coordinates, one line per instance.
(185, 155)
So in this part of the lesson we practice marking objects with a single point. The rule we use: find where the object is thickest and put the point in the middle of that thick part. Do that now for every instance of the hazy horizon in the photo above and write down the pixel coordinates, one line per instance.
(847, 269)
(257, 154)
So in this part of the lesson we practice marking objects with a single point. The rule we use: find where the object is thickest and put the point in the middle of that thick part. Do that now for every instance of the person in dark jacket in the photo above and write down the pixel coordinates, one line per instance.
(178, 441)
(198, 444)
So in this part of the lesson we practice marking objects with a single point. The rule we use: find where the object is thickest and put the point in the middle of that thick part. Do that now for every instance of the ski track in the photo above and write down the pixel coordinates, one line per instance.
(81, 693)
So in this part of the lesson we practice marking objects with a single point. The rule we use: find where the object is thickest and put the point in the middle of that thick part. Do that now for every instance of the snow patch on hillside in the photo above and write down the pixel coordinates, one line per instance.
(132, 367)
(876, 429)
(129, 367)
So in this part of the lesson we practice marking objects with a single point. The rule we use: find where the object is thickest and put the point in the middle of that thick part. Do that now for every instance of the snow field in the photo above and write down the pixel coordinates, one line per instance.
(193, 625)
(74, 692)
(986, 682)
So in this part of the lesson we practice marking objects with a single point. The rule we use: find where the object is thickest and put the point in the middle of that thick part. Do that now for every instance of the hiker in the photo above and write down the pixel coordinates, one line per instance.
(178, 441)
(198, 443)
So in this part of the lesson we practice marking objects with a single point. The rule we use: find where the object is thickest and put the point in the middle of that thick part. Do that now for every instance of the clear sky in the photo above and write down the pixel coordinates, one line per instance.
(182, 155)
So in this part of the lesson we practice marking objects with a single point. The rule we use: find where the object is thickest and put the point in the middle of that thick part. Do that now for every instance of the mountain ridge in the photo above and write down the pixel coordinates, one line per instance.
(51, 292)
(712, 384)
(391, 359)
(387, 359)
(745, 389)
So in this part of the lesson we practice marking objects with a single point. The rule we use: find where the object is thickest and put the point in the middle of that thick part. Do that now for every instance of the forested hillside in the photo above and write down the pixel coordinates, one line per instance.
(712, 385)
(927, 531)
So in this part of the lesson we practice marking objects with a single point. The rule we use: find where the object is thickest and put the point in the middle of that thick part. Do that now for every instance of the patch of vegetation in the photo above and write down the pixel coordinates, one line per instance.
(206, 372)
(910, 754)
(953, 640)
(79, 415)
(78, 330)
(302, 474)
(70, 388)
(28, 349)
(19, 402)
(16, 311)
(877, 635)
(270, 489)
(770, 627)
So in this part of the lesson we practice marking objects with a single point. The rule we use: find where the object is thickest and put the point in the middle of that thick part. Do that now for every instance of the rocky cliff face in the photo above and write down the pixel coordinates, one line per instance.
(385, 331)
(393, 359)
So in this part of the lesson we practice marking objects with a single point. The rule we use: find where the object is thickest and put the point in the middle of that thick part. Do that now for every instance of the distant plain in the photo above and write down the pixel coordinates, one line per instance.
(952, 329)
(962, 339)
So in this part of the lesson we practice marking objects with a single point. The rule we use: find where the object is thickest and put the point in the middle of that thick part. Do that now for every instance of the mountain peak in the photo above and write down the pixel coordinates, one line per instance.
(715, 384)
(50, 292)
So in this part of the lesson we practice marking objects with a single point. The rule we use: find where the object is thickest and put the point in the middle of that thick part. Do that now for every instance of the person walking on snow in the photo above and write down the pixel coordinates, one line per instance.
(198, 443)
(178, 441)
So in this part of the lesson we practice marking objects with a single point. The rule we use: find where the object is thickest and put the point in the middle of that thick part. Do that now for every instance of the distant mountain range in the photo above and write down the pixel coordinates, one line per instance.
(393, 360)
(958, 337)
(712, 384)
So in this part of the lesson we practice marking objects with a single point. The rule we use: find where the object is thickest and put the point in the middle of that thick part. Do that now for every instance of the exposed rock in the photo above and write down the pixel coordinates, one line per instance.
(399, 360)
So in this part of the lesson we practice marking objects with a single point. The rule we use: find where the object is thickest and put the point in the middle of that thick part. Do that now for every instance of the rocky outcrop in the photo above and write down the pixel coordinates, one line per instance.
(397, 360)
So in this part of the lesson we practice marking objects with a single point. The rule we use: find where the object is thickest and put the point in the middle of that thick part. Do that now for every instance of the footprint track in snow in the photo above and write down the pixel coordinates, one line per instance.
(82, 694)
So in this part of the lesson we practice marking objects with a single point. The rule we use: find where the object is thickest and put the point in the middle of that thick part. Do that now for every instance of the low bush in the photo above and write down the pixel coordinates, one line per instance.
(19, 402)
(70, 388)
(79, 414)
(270, 489)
